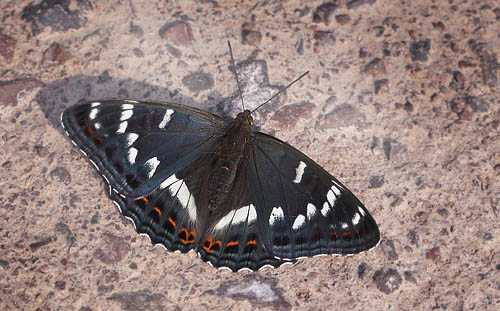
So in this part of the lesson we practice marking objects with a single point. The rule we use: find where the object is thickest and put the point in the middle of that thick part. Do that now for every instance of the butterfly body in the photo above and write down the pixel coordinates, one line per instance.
(191, 180)
(228, 155)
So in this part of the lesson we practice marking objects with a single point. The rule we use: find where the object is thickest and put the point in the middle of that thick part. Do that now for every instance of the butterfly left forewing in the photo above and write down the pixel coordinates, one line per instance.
(136, 145)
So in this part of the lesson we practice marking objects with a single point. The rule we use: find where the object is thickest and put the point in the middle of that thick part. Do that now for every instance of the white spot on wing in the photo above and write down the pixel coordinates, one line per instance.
(122, 127)
(331, 198)
(167, 182)
(131, 154)
(127, 106)
(276, 214)
(299, 222)
(117, 205)
(174, 188)
(131, 138)
(93, 113)
(344, 225)
(131, 101)
(182, 193)
(95, 104)
(356, 218)
(97, 125)
(336, 183)
(299, 171)
(325, 209)
(335, 190)
(61, 120)
(126, 114)
(361, 211)
(95, 165)
(166, 118)
(244, 269)
(106, 178)
(311, 210)
(151, 165)
(245, 213)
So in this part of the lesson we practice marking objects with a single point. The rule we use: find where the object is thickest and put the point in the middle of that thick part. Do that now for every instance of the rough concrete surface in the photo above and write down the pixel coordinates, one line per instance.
(402, 104)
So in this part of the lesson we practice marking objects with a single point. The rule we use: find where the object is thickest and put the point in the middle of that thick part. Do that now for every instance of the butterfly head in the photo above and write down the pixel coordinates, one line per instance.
(245, 117)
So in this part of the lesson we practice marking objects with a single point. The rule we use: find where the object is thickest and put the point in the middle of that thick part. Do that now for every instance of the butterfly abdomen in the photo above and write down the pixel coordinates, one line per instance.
(226, 162)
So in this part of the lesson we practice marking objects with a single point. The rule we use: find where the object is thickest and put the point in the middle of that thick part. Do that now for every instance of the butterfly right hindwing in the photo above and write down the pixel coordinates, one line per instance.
(284, 206)
(304, 210)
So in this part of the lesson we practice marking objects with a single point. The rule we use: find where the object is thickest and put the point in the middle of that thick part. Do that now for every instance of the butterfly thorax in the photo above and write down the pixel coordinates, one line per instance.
(227, 158)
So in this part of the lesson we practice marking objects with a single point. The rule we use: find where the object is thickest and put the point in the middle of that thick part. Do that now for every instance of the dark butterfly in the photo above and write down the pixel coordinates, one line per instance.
(191, 180)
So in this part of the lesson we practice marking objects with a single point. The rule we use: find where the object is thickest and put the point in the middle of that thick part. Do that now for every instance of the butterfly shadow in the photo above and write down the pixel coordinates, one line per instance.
(58, 95)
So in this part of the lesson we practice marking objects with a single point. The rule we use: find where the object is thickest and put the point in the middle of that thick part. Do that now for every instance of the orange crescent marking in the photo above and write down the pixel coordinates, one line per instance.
(346, 234)
(357, 230)
(209, 248)
(252, 242)
(172, 222)
(193, 235)
(190, 236)
(157, 210)
(232, 243)
(145, 200)
(100, 139)
(226, 168)
(183, 230)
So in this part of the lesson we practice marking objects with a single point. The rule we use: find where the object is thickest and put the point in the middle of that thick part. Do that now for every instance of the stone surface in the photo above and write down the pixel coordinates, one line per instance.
(289, 115)
(55, 14)
(250, 36)
(11, 88)
(387, 281)
(415, 135)
(325, 13)
(325, 37)
(178, 33)
(7, 47)
(198, 81)
(419, 50)
(55, 55)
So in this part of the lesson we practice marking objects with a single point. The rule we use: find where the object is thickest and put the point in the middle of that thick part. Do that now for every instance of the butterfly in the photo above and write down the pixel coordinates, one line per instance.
(191, 180)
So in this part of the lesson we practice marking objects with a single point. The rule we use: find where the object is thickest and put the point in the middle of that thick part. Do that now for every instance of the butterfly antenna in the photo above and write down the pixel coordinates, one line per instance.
(281, 91)
(235, 73)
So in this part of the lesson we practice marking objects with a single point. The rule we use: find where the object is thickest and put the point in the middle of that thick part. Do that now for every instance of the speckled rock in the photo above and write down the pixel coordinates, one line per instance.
(401, 104)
